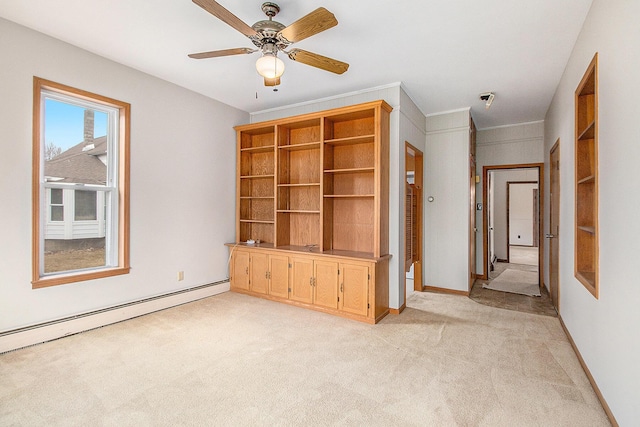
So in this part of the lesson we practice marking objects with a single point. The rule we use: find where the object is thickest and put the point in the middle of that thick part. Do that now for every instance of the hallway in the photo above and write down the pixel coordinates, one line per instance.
(524, 259)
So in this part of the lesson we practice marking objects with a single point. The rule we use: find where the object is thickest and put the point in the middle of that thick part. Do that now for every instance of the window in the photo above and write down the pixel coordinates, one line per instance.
(80, 185)
(56, 205)
(85, 205)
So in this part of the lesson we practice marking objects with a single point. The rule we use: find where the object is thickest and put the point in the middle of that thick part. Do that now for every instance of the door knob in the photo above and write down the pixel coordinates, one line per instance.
(549, 236)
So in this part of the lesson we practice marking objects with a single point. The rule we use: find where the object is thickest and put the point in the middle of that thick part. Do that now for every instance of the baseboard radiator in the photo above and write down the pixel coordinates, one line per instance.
(47, 331)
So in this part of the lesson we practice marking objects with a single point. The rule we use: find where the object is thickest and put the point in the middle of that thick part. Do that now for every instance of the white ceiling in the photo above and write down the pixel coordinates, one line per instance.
(445, 52)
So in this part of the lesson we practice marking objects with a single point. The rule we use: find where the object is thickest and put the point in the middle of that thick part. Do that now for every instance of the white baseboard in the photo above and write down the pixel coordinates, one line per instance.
(24, 337)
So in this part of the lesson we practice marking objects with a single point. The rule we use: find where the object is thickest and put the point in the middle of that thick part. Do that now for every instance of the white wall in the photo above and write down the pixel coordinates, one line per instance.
(406, 123)
(521, 214)
(605, 330)
(504, 145)
(182, 174)
(446, 235)
(413, 131)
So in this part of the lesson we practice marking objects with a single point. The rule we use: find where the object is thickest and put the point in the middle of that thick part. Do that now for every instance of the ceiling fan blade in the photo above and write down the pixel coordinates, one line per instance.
(223, 52)
(318, 61)
(313, 23)
(271, 82)
(225, 16)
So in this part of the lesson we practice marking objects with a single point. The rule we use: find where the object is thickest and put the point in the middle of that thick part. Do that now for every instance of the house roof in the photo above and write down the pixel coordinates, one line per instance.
(77, 165)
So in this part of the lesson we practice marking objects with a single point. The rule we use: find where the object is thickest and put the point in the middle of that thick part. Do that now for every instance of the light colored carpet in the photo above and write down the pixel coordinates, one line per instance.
(234, 360)
(526, 255)
(516, 281)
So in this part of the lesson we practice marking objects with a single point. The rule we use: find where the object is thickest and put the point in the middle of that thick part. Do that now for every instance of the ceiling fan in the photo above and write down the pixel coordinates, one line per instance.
(271, 37)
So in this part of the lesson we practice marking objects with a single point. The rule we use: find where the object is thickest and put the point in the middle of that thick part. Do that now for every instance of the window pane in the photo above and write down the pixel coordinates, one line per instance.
(72, 244)
(73, 254)
(75, 144)
(57, 213)
(85, 209)
(56, 196)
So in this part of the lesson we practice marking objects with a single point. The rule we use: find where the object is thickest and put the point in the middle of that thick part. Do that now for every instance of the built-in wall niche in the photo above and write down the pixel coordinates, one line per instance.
(586, 179)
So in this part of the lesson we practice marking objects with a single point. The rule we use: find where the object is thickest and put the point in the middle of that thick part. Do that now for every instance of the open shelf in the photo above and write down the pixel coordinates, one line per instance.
(305, 146)
(316, 179)
(311, 184)
(264, 149)
(586, 179)
(351, 140)
(256, 176)
(347, 196)
(591, 230)
(589, 132)
(350, 170)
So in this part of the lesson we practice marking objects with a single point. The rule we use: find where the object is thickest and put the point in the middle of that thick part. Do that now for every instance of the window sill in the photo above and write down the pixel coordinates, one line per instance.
(62, 279)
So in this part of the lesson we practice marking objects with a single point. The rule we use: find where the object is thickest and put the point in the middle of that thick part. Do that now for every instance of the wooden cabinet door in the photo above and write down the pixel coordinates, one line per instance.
(354, 289)
(325, 284)
(240, 270)
(279, 276)
(301, 280)
(259, 273)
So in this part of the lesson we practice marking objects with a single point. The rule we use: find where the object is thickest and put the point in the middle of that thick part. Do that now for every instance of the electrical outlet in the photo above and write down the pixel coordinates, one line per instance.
(180, 275)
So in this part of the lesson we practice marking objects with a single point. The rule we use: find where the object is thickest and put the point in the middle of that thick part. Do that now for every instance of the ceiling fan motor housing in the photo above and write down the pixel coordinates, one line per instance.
(270, 9)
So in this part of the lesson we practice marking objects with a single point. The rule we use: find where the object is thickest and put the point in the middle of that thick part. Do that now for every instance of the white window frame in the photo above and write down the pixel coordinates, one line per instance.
(116, 190)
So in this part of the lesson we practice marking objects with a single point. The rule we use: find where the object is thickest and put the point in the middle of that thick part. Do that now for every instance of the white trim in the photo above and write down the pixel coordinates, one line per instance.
(449, 130)
(535, 122)
(328, 98)
(406, 92)
(23, 337)
(510, 141)
(448, 112)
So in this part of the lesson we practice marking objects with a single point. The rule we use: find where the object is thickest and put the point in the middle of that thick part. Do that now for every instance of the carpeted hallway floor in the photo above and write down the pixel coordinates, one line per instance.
(234, 360)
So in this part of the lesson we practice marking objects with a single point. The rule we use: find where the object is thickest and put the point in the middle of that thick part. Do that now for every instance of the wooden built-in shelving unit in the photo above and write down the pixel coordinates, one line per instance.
(586, 179)
(315, 188)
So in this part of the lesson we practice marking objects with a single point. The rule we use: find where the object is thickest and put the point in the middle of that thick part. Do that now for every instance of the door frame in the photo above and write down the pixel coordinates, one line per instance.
(508, 213)
(418, 285)
(485, 173)
(554, 301)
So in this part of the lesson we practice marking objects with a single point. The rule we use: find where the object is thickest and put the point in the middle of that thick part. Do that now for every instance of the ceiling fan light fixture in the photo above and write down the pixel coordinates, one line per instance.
(270, 66)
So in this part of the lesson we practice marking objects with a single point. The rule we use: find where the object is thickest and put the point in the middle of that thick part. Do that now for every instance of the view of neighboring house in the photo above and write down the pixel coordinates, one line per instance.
(74, 213)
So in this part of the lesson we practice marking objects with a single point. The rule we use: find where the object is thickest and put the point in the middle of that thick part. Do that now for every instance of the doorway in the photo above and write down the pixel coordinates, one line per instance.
(526, 274)
(495, 238)
(413, 219)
